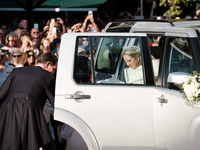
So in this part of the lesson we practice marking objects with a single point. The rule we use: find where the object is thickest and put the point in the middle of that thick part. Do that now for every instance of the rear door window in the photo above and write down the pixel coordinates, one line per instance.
(178, 57)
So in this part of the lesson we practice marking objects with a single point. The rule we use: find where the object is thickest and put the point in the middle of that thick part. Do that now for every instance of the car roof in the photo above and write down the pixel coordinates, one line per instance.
(187, 23)
(126, 25)
(154, 26)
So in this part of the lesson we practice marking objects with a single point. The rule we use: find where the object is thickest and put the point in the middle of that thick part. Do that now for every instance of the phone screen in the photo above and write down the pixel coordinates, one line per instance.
(90, 13)
(36, 25)
(54, 30)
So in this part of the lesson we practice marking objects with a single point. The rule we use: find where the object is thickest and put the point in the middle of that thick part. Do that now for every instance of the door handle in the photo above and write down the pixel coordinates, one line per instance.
(162, 99)
(75, 96)
(78, 96)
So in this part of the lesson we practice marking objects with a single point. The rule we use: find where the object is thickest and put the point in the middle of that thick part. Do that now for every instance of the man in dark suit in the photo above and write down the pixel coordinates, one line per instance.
(22, 98)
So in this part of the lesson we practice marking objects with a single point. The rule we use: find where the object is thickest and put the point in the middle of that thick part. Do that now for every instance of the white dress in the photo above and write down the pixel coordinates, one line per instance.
(134, 76)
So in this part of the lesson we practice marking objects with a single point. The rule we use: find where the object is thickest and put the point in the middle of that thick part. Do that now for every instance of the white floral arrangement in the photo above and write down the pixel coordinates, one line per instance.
(191, 89)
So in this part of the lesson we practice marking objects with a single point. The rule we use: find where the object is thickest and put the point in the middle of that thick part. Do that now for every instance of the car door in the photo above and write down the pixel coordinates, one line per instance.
(176, 125)
(113, 112)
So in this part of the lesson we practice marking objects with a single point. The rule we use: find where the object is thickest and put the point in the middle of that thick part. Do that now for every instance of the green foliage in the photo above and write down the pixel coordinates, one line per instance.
(180, 7)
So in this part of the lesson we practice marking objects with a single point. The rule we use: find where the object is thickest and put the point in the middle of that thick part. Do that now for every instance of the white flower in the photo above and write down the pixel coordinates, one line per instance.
(191, 88)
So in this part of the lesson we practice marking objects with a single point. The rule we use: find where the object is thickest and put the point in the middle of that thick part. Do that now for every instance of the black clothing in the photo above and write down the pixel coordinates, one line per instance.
(22, 98)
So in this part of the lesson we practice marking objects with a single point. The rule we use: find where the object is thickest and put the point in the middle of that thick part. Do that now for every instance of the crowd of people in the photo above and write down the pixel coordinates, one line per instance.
(22, 46)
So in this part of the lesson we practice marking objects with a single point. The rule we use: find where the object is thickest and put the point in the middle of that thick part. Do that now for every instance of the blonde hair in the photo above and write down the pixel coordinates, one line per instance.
(132, 51)
(41, 43)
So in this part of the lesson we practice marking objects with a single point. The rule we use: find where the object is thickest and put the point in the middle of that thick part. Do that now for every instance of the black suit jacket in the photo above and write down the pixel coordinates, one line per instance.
(22, 97)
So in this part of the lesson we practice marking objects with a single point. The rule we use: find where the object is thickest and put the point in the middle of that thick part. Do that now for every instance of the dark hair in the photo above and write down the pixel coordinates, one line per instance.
(24, 60)
(59, 28)
(49, 56)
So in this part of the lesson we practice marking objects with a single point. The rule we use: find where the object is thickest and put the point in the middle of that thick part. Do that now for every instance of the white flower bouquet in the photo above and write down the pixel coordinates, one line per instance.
(191, 89)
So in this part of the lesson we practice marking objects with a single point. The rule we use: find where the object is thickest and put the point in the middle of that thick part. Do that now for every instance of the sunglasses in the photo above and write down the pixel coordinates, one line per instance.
(16, 56)
(30, 56)
(35, 32)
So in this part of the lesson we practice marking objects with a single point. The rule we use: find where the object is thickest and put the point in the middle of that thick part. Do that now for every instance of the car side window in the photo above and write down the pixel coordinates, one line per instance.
(108, 60)
(82, 67)
(178, 57)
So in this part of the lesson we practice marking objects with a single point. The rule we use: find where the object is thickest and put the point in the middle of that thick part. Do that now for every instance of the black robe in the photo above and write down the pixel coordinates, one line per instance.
(22, 98)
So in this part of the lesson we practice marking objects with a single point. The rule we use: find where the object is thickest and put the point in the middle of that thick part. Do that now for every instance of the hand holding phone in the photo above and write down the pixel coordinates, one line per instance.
(54, 30)
(52, 22)
(90, 13)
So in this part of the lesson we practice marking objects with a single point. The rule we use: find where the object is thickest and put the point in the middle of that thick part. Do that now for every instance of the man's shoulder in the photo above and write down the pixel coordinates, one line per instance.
(34, 70)
(8, 67)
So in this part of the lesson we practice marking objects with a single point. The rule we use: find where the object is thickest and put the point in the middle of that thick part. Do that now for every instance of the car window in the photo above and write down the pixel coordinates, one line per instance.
(101, 60)
(178, 57)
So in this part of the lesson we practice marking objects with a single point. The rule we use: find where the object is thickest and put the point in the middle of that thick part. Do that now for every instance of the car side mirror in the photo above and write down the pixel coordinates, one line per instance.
(175, 79)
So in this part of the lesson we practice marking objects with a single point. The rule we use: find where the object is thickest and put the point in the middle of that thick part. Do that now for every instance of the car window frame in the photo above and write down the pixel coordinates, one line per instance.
(147, 65)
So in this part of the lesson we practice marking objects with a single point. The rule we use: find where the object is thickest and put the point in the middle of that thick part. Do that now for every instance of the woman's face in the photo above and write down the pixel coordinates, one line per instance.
(10, 41)
(46, 44)
(131, 62)
(31, 58)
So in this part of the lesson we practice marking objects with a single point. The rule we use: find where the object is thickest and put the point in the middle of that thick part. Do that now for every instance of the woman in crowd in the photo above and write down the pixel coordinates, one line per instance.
(28, 59)
(45, 45)
(89, 24)
(11, 41)
(133, 74)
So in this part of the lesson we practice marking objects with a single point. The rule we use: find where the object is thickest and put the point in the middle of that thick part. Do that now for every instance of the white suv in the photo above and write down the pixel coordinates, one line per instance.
(93, 97)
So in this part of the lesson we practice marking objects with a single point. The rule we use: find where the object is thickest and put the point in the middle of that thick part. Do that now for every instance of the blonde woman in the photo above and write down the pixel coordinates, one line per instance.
(45, 45)
(133, 73)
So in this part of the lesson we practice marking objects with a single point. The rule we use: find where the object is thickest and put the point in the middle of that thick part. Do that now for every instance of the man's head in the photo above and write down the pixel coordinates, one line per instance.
(23, 24)
(2, 57)
(48, 61)
(35, 33)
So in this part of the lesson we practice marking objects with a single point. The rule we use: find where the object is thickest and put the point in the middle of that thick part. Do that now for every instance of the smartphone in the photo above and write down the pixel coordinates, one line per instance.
(52, 20)
(90, 13)
(36, 25)
(54, 30)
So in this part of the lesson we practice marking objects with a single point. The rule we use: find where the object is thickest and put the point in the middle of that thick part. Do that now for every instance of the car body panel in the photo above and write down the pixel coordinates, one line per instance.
(174, 131)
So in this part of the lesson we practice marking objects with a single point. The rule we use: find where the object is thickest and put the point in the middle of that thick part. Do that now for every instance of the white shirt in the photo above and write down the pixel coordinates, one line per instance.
(134, 76)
